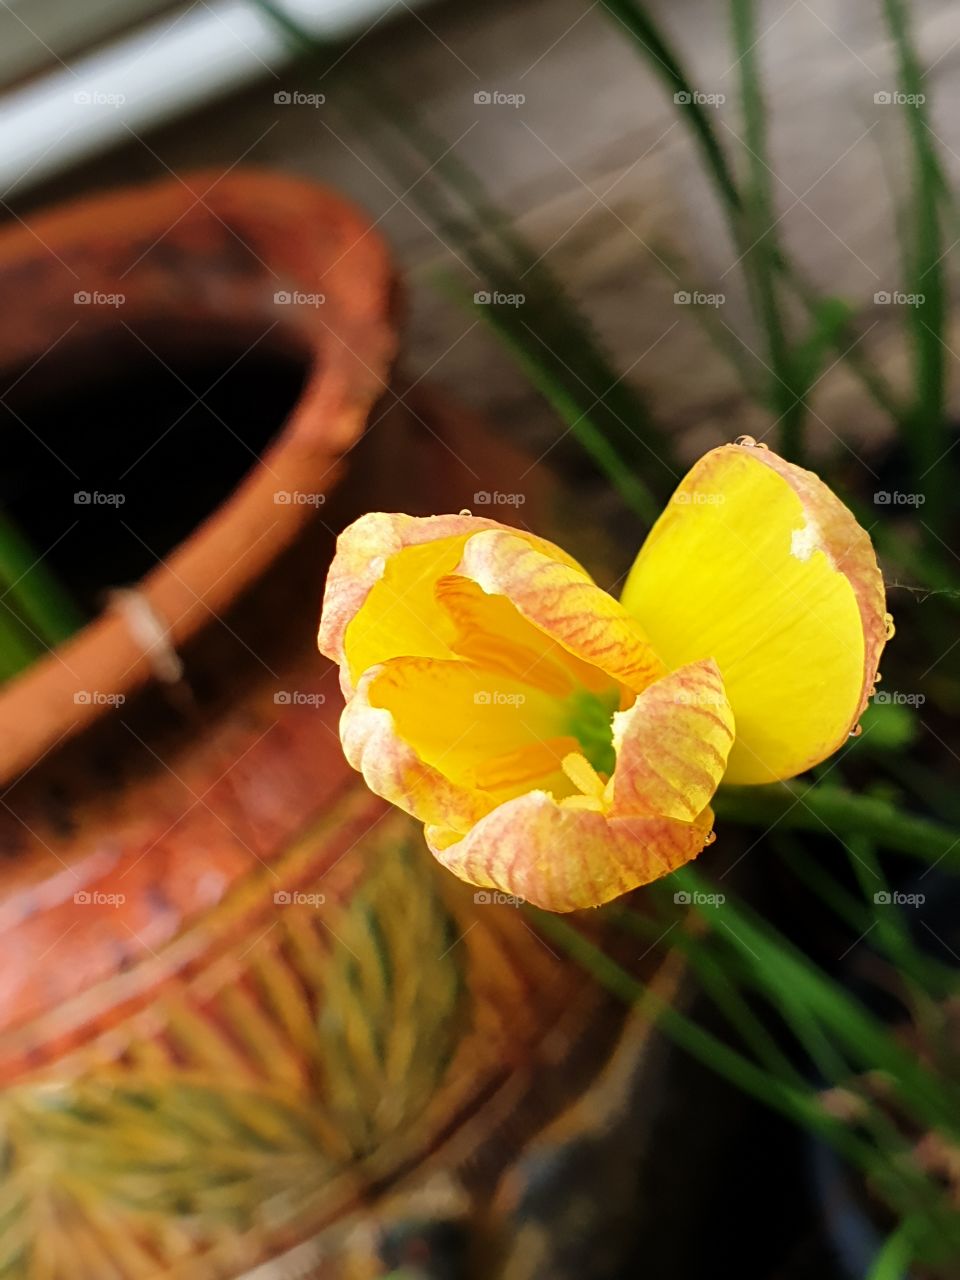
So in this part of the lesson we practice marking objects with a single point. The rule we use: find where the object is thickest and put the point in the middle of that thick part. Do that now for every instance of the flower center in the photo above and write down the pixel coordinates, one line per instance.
(590, 721)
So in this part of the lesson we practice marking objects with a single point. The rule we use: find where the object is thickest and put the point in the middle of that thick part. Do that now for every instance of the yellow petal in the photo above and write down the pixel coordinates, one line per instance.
(448, 741)
(458, 717)
(392, 768)
(380, 600)
(490, 632)
(563, 858)
(563, 602)
(757, 564)
(672, 745)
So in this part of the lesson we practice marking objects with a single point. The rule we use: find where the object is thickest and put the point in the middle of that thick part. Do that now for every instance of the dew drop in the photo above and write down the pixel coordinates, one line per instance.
(856, 731)
(888, 624)
(746, 442)
(877, 678)
(465, 511)
(711, 838)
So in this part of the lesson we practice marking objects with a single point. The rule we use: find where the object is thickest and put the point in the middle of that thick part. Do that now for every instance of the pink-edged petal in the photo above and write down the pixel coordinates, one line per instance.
(379, 600)
(361, 564)
(392, 768)
(565, 859)
(672, 745)
(560, 599)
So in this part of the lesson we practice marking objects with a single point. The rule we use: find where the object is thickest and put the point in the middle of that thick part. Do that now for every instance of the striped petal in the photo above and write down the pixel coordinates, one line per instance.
(564, 859)
(563, 602)
(393, 769)
(672, 745)
(380, 599)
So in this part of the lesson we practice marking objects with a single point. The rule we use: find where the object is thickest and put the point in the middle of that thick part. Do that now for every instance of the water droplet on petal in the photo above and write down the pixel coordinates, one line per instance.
(746, 442)
(465, 511)
(856, 731)
(877, 678)
(888, 623)
(711, 837)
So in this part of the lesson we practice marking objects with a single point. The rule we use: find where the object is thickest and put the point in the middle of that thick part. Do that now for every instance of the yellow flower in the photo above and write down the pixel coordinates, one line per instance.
(564, 747)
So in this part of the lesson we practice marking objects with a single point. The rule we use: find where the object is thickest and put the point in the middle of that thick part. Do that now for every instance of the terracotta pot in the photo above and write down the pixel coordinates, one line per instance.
(198, 260)
(240, 1004)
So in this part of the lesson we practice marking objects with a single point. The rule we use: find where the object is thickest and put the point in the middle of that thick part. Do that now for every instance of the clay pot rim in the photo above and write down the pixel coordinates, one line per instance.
(350, 355)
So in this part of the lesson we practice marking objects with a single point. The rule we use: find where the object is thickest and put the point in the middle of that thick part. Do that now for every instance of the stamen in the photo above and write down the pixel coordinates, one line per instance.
(583, 775)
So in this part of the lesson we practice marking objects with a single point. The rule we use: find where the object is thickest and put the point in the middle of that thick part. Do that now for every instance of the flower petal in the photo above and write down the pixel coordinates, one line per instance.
(757, 564)
(672, 745)
(562, 859)
(378, 602)
(560, 598)
(392, 768)
(447, 742)
(380, 596)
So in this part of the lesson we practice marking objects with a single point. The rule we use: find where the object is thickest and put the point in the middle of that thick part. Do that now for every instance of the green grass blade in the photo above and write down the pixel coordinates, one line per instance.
(31, 591)
(927, 320)
(895, 1256)
(762, 254)
(665, 62)
(788, 975)
(799, 806)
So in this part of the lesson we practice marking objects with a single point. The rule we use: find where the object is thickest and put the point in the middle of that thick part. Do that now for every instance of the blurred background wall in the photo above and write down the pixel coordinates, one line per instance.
(577, 142)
